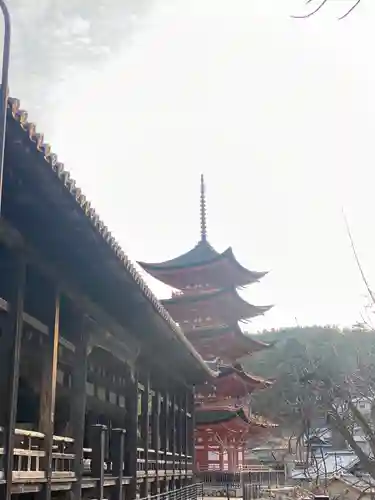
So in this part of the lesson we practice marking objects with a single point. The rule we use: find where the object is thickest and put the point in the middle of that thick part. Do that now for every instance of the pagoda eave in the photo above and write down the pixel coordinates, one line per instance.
(199, 309)
(201, 267)
(228, 343)
(228, 420)
(233, 381)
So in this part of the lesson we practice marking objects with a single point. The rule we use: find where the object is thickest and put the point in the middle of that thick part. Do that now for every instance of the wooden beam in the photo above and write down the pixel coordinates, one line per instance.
(48, 394)
(78, 399)
(10, 368)
(14, 240)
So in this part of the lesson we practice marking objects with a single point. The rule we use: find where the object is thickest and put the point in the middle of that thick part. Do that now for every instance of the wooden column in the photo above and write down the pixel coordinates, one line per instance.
(10, 353)
(156, 437)
(98, 440)
(163, 435)
(178, 438)
(191, 430)
(117, 451)
(78, 400)
(48, 393)
(131, 433)
(173, 435)
(186, 431)
(145, 430)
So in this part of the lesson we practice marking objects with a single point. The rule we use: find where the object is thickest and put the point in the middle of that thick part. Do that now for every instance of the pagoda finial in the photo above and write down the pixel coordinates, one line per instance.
(203, 211)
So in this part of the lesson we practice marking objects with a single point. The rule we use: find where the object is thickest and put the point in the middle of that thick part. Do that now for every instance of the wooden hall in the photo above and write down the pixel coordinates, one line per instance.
(97, 380)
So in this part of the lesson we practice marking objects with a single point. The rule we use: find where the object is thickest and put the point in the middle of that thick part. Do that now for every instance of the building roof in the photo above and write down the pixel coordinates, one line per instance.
(332, 463)
(203, 264)
(51, 178)
(229, 421)
(232, 381)
(228, 343)
(200, 258)
(222, 307)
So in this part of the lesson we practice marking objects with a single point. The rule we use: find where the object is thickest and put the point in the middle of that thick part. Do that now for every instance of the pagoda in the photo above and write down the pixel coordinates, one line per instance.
(209, 309)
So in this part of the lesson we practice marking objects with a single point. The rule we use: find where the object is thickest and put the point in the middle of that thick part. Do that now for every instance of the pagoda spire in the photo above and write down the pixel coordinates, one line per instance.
(203, 211)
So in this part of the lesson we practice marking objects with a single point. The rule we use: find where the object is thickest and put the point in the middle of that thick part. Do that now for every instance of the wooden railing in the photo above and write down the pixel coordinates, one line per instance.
(102, 466)
(163, 463)
(191, 492)
(29, 454)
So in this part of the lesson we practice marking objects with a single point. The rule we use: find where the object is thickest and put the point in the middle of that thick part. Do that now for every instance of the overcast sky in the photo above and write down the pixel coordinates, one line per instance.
(277, 113)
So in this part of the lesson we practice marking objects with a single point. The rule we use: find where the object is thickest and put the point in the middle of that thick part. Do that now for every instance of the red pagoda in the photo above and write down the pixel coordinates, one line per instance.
(209, 309)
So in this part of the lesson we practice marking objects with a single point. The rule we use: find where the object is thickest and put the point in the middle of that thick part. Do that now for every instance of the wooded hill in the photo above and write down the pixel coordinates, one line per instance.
(333, 353)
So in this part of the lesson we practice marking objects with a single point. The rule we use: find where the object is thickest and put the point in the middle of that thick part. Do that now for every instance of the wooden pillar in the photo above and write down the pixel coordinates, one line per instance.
(131, 433)
(98, 440)
(163, 436)
(192, 430)
(173, 435)
(145, 430)
(156, 438)
(78, 400)
(48, 393)
(117, 451)
(179, 437)
(10, 354)
(186, 431)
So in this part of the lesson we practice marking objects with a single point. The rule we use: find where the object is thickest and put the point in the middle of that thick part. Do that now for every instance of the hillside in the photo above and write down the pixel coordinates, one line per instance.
(335, 353)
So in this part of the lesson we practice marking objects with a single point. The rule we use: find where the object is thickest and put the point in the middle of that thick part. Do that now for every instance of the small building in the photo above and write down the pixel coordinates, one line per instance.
(321, 470)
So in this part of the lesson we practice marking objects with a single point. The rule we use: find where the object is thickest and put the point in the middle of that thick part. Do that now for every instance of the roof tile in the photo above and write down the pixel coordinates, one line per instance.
(51, 160)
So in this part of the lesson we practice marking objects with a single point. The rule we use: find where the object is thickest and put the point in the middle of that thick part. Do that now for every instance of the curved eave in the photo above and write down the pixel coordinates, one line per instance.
(210, 335)
(202, 253)
(236, 371)
(208, 416)
(199, 264)
(238, 308)
(252, 275)
(227, 417)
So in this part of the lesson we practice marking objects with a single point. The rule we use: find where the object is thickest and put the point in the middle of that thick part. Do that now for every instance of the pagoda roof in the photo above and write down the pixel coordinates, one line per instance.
(229, 420)
(237, 370)
(226, 342)
(234, 382)
(211, 308)
(203, 265)
(206, 415)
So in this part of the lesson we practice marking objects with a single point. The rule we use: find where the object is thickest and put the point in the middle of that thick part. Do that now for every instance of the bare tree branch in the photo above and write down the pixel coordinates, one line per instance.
(323, 2)
(350, 10)
(364, 279)
(312, 12)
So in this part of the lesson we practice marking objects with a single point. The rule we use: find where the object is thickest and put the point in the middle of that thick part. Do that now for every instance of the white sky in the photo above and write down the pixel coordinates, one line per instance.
(277, 113)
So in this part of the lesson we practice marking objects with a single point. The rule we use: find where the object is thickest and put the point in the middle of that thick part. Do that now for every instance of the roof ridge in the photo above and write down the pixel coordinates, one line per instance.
(21, 116)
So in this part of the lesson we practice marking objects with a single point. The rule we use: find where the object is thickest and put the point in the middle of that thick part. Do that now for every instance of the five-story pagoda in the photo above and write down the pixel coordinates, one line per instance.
(208, 308)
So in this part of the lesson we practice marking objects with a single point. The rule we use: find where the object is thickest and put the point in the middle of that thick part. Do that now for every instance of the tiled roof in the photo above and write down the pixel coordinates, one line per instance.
(14, 112)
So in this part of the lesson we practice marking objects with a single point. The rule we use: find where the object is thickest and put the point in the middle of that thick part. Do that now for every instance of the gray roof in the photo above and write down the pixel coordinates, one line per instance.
(331, 464)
